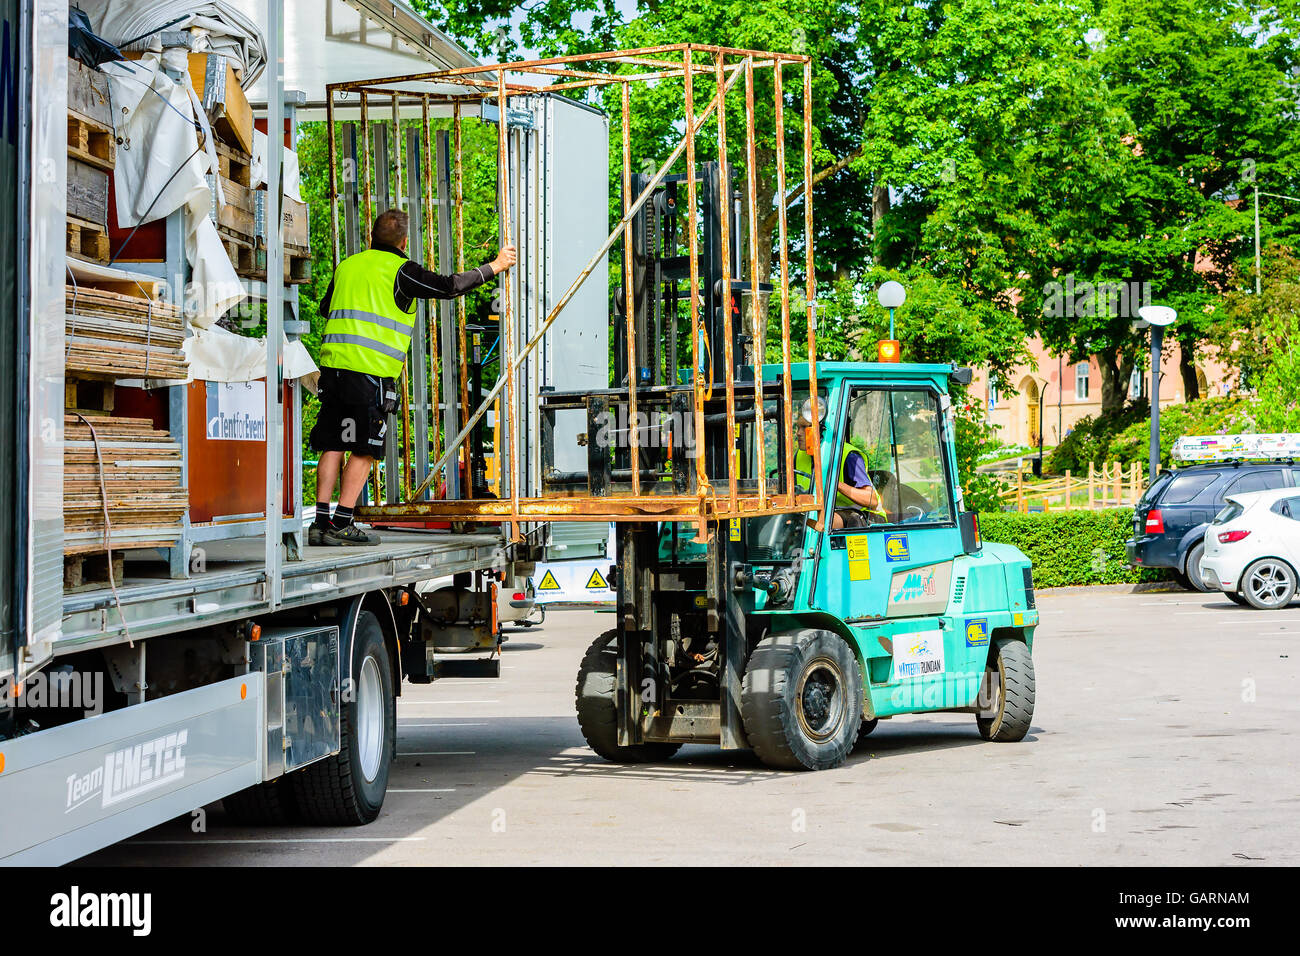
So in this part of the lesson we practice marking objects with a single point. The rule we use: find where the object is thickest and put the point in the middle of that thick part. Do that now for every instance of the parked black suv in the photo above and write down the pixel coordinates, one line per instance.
(1169, 521)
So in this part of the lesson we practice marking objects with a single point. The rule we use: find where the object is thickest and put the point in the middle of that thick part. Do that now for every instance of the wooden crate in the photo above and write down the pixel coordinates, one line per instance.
(223, 99)
(88, 194)
(238, 214)
(88, 95)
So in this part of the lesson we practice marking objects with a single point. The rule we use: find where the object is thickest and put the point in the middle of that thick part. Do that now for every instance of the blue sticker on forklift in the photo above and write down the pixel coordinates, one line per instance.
(977, 632)
(896, 548)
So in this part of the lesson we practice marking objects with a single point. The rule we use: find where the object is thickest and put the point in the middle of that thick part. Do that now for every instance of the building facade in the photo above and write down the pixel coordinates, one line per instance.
(1051, 394)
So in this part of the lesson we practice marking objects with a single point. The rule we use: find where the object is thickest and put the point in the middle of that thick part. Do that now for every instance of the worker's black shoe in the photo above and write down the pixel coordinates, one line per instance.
(349, 536)
(315, 536)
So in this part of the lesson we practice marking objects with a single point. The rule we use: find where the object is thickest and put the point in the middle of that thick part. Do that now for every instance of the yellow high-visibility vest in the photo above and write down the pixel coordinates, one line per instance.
(804, 462)
(366, 331)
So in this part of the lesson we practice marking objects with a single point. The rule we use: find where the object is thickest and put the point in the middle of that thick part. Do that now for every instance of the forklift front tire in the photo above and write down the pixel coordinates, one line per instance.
(598, 711)
(801, 700)
(1007, 694)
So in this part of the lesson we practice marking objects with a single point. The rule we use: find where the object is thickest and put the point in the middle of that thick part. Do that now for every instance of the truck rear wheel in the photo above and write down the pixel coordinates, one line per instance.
(266, 804)
(594, 697)
(347, 789)
(801, 700)
(1007, 694)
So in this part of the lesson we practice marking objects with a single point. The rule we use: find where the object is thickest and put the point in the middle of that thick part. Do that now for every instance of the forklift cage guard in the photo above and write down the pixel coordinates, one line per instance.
(487, 85)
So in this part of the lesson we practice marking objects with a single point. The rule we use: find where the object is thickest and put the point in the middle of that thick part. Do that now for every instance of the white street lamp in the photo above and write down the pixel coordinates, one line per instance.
(891, 295)
(1157, 317)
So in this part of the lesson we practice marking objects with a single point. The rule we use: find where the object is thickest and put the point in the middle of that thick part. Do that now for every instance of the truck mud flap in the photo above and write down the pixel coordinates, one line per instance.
(71, 790)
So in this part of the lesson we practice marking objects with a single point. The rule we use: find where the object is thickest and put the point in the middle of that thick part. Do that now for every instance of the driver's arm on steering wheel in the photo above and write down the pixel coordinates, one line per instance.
(862, 497)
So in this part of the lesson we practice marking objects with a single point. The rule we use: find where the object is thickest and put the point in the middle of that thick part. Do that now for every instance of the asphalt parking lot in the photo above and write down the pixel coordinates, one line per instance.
(1164, 734)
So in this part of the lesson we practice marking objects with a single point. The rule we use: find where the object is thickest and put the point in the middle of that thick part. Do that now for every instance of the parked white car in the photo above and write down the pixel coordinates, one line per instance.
(1252, 548)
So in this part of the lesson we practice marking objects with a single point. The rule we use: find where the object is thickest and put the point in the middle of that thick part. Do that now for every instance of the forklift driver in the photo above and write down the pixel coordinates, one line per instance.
(857, 503)
(370, 306)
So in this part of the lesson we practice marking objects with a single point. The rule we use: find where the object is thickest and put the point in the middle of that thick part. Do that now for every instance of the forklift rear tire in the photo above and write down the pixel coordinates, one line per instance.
(865, 730)
(1009, 686)
(801, 700)
(594, 697)
(347, 789)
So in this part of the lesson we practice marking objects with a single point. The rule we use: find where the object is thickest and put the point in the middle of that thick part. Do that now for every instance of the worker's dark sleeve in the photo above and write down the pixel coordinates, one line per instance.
(416, 282)
(323, 306)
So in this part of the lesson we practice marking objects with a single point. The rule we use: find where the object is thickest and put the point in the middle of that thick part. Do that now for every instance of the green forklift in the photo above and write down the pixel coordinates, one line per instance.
(790, 633)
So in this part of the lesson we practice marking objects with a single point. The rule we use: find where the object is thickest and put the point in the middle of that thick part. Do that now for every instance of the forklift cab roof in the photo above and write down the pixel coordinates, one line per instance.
(882, 371)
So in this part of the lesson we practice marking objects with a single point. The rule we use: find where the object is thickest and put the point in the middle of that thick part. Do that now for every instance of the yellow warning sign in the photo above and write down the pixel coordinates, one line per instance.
(549, 583)
(735, 529)
(859, 561)
(596, 582)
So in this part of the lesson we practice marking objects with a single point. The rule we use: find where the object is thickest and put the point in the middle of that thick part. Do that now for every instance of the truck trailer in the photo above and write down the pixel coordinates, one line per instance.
(149, 671)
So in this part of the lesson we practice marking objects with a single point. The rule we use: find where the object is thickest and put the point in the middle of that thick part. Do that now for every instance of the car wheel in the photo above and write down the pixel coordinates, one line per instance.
(1268, 584)
(1193, 567)
(1236, 598)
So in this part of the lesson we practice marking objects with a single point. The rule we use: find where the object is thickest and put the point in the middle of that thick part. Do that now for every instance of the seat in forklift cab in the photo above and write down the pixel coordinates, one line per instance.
(901, 502)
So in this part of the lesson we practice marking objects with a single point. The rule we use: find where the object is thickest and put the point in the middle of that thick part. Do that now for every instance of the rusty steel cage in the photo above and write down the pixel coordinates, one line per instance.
(617, 486)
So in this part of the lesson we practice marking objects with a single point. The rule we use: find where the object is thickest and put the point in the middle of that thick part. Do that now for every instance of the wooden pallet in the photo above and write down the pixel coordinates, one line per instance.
(235, 164)
(86, 240)
(115, 335)
(90, 396)
(240, 250)
(92, 143)
(297, 268)
(137, 468)
(83, 572)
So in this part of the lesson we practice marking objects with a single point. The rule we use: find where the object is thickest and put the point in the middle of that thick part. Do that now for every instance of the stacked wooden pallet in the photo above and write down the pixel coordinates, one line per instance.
(114, 335)
(294, 220)
(140, 467)
(92, 154)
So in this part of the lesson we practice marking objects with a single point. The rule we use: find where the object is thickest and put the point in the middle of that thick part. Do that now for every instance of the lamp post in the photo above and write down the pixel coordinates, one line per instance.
(1156, 317)
(891, 295)
(1258, 193)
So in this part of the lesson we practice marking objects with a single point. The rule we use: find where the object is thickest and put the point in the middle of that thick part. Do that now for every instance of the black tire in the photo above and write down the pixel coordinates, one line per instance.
(1268, 584)
(1192, 567)
(1181, 580)
(266, 804)
(1009, 688)
(347, 789)
(801, 700)
(1236, 598)
(594, 700)
(864, 731)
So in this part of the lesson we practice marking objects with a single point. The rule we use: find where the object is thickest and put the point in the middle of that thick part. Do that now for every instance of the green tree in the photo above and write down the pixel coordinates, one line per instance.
(1205, 98)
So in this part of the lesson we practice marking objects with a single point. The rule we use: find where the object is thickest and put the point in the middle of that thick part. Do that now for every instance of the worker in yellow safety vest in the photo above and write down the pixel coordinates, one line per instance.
(370, 317)
(857, 503)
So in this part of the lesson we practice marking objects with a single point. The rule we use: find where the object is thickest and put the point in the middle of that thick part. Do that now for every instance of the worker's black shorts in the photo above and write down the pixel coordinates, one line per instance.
(353, 413)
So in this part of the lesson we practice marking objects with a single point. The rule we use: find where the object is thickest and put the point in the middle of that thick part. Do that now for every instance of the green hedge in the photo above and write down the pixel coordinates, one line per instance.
(1070, 547)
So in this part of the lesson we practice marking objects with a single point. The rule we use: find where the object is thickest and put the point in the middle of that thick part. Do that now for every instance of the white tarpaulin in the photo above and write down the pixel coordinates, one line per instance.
(290, 175)
(218, 355)
(222, 28)
(161, 168)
